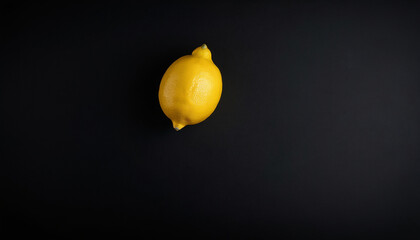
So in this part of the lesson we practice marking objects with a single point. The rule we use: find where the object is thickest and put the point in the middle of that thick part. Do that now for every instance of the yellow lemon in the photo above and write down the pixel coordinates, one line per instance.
(191, 88)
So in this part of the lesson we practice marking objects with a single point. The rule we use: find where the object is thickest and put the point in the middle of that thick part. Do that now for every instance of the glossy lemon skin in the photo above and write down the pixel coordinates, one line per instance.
(191, 88)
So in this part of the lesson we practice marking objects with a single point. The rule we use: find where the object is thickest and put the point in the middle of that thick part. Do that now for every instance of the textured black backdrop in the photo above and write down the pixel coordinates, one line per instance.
(317, 133)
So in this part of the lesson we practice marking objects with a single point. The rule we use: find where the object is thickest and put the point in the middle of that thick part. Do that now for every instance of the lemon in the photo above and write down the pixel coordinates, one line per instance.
(191, 88)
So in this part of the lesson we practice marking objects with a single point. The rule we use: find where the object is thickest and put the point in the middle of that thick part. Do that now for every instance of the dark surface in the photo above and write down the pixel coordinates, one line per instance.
(317, 133)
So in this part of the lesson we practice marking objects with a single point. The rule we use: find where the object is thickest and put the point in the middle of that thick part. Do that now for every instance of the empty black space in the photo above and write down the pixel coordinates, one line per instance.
(317, 133)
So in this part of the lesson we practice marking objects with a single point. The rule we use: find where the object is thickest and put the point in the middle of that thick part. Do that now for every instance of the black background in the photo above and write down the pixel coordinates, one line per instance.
(317, 133)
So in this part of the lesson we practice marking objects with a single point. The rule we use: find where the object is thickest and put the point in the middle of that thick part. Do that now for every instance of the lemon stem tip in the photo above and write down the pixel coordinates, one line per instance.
(178, 126)
(204, 46)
